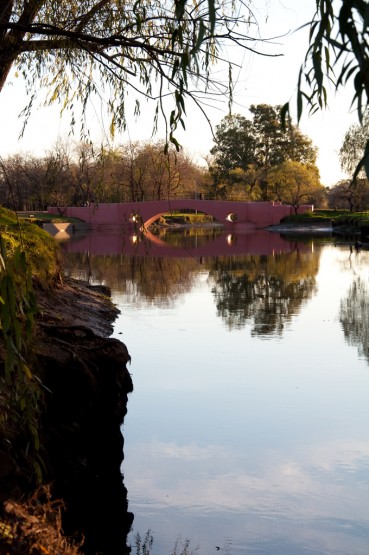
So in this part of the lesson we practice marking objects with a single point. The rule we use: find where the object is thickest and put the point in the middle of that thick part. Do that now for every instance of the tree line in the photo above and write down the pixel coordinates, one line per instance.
(83, 174)
(253, 159)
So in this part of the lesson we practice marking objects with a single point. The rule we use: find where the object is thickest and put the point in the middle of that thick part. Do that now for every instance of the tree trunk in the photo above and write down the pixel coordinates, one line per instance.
(11, 39)
(8, 54)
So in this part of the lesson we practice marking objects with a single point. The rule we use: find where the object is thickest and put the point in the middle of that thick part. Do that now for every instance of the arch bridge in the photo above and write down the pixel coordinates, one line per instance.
(234, 215)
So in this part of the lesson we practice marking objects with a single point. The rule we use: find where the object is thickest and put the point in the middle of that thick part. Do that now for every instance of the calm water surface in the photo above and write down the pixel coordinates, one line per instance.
(248, 428)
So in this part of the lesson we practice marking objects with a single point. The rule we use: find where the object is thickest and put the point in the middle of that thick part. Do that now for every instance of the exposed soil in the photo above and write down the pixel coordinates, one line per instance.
(77, 304)
(87, 383)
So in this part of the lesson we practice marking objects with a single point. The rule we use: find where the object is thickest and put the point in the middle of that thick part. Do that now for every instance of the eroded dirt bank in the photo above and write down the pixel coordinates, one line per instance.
(87, 383)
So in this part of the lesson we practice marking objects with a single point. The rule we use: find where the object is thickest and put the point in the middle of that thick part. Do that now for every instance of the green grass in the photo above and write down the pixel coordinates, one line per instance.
(344, 217)
(187, 217)
(42, 251)
(45, 217)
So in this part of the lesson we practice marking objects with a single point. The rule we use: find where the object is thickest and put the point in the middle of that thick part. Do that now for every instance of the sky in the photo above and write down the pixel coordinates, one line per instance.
(259, 79)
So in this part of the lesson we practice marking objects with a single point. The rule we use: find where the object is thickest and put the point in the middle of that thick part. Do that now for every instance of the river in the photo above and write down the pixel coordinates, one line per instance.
(248, 428)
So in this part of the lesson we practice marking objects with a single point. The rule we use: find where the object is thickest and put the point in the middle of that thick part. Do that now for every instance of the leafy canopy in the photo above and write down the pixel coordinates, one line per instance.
(337, 56)
(295, 183)
(106, 49)
(338, 52)
(261, 141)
(245, 151)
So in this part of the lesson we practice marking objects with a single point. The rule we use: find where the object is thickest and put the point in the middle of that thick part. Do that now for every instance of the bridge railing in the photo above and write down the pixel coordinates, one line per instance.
(189, 196)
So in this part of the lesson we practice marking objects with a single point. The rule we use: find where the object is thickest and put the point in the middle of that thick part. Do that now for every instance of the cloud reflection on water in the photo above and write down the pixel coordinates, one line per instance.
(311, 490)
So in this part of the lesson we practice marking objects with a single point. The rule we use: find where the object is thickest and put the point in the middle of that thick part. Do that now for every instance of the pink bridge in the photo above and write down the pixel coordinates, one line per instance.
(234, 215)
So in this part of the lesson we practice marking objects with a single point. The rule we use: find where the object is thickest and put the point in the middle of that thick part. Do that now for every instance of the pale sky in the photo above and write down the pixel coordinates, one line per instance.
(260, 80)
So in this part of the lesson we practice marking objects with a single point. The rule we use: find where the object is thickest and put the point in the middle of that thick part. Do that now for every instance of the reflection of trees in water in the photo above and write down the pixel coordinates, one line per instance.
(147, 280)
(192, 237)
(354, 316)
(264, 290)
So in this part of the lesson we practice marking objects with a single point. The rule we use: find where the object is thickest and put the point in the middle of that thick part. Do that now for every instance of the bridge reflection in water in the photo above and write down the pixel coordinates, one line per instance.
(147, 244)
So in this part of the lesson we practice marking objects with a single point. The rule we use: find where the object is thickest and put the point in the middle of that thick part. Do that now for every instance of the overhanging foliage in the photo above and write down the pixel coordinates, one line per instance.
(103, 49)
(338, 56)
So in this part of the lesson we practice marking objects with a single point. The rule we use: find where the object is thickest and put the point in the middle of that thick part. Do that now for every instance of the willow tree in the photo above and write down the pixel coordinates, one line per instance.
(353, 145)
(337, 56)
(106, 49)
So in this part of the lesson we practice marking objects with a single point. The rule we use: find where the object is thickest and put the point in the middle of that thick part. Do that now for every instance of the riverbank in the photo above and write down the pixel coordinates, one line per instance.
(85, 384)
(302, 227)
(322, 227)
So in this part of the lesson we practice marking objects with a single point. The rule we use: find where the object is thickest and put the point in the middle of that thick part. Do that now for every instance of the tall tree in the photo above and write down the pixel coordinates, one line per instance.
(256, 145)
(234, 143)
(106, 48)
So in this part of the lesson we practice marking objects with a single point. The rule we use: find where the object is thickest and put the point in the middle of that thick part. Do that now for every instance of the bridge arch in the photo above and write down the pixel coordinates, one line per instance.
(222, 211)
(157, 216)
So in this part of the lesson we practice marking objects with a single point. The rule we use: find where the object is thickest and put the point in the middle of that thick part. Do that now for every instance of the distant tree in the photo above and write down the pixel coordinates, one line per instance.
(350, 195)
(155, 174)
(245, 184)
(256, 145)
(353, 145)
(276, 144)
(234, 143)
(60, 176)
(162, 174)
(14, 186)
(24, 182)
(85, 174)
(109, 179)
(295, 183)
(29, 182)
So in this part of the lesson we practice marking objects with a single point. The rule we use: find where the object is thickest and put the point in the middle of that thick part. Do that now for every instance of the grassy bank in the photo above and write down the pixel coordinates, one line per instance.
(42, 252)
(40, 218)
(336, 217)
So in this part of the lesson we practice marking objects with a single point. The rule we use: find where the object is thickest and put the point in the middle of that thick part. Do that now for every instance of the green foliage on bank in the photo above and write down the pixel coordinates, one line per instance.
(185, 217)
(337, 217)
(40, 218)
(28, 257)
(41, 250)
